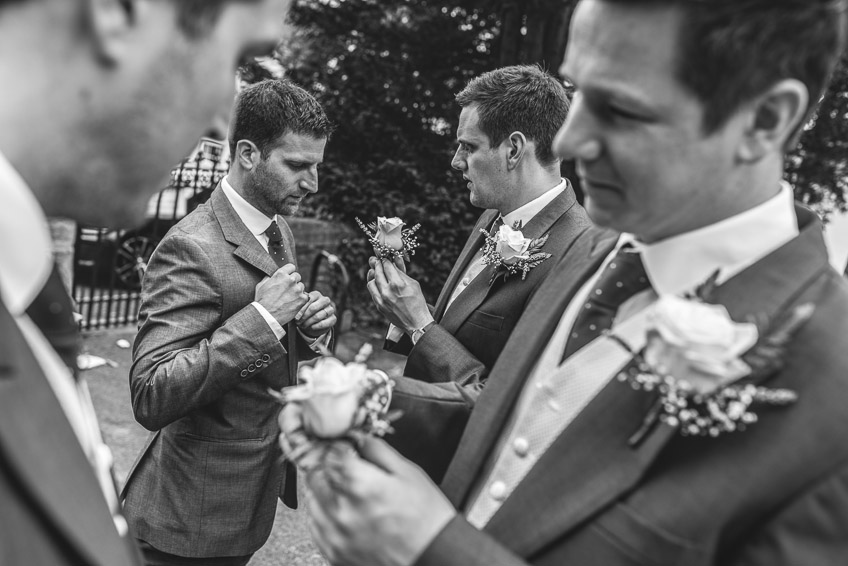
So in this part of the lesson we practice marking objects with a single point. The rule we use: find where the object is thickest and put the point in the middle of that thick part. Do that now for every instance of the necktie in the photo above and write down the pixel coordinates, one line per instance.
(275, 244)
(622, 278)
(277, 251)
(53, 314)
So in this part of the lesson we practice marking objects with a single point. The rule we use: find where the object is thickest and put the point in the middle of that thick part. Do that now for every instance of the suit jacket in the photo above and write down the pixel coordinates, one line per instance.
(467, 339)
(452, 360)
(52, 507)
(774, 494)
(207, 482)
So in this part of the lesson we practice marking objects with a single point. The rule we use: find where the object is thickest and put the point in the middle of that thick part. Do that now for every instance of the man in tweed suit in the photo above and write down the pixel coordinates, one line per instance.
(224, 316)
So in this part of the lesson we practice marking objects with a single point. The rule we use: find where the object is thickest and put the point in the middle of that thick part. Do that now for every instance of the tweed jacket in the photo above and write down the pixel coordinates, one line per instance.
(208, 480)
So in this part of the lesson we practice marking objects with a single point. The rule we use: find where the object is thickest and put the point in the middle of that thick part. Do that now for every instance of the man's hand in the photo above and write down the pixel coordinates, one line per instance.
(397, 296)
(282, 294)
(317, 316)
(372, 507)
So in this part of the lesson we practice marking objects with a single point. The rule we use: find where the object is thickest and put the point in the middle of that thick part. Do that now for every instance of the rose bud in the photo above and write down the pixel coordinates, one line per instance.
(390, 232)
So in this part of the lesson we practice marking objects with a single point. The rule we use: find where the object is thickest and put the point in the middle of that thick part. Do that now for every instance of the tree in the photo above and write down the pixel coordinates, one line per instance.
(818, 168)
(386, 72)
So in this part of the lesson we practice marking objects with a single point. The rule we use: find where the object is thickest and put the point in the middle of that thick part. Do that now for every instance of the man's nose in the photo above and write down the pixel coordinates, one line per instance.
(577, 138)
(458, 162)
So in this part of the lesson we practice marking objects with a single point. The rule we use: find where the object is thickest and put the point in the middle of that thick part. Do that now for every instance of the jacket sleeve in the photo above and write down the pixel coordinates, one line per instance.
(811, 529)
(440, 357)
(185, 356)
(460, 544)
(432, 419)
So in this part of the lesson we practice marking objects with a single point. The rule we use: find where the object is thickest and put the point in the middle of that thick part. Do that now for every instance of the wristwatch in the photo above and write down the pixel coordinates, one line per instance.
(419, 332)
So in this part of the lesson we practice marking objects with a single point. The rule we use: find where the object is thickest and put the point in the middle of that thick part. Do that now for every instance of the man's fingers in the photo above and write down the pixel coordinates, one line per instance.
(380, 279)
(400, 264)
(287, 269)
(379, 453)
(316, 302)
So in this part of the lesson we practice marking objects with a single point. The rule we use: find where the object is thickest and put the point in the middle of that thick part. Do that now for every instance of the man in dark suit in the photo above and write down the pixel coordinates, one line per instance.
(223, 317)
(508, 120)
(572, 455)
(129, 85)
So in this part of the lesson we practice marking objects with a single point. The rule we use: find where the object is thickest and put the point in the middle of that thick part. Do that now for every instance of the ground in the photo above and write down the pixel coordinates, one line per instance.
(289, 543)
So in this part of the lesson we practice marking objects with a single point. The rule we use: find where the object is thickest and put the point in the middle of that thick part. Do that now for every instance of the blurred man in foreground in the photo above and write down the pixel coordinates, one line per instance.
(101, 98)
(716, 444)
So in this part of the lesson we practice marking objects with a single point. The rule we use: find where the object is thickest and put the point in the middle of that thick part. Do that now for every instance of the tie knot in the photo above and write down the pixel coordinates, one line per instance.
(273, 232)
(622, 278)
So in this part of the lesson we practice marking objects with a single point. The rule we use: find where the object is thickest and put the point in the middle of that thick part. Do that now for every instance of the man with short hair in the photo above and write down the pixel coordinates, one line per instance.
(223, 318)
(100, 99)
(508, 121)
(716, 444)
(506, 127)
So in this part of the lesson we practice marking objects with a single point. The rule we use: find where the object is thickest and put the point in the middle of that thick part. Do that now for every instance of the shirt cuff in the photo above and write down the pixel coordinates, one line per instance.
(318, 345)
(275, 326)
(394, 334)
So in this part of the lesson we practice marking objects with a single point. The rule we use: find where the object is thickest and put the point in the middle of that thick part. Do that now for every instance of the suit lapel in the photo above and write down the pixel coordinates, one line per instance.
(591, 464)
(513, 367)
(33, 432)
(474, 242)
(236, 233)
(477, 291)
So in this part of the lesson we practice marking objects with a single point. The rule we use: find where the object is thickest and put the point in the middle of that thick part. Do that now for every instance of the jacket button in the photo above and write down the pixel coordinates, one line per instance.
(243, 373)
(498, 490)
(521, 446)
(251, 368)
(266, 358)
(258, 363)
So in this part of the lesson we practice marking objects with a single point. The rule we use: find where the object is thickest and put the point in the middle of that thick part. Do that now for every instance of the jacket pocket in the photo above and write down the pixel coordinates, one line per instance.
(486, 320)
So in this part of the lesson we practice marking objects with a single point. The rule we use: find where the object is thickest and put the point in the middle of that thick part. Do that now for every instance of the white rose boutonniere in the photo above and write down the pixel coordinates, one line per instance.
(510, 252)
(699, 341)
(389, 237)
(512, 245)
(337, 398)
(390, 232)
(704, 366)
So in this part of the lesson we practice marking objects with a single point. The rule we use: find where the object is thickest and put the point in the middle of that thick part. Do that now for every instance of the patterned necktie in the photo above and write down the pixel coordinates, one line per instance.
(53, 314)
(278, 253)
(275, 244)
(622, 278)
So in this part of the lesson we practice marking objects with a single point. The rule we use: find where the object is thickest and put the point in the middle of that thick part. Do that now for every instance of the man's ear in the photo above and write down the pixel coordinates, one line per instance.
(516, 145)
(774, 120)
(247, 154)
(110, 21)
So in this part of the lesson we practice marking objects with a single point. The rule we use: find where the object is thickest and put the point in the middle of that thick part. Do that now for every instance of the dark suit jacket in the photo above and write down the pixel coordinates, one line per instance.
(774, 494)
(452, 360)
(207, 483)
(467, 339)
(52, 509)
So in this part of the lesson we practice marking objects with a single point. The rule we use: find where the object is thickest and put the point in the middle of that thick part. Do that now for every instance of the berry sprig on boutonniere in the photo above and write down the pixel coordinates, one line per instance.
(389, 237)
(705, 366)
(511, 253)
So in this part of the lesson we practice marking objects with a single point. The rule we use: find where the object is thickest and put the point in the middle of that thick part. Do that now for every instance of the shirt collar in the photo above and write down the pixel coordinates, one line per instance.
(525, 213)
(26, 256)
(679, 264)
(253, 218)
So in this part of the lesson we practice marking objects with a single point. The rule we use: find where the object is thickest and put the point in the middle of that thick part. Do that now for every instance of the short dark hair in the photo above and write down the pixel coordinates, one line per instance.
(733, 50)
(266, 111)
(521, 98)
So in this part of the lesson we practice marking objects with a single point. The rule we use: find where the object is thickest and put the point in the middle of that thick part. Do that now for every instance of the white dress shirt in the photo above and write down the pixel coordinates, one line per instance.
(674, 266)
(26, 261)
(256, 221)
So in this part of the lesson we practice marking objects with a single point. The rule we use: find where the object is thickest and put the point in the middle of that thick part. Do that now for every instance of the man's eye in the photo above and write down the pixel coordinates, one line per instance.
(620, 112)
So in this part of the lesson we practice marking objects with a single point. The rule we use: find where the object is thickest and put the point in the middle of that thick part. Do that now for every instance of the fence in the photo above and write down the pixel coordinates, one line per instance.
(109, 264)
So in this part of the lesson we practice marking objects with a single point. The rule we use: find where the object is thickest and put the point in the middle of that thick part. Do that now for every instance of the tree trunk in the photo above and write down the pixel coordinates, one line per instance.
(512, 16)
